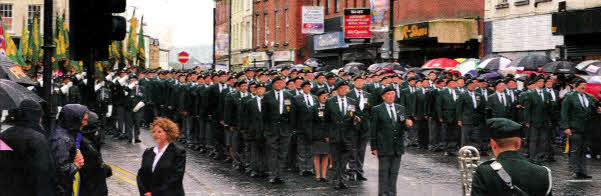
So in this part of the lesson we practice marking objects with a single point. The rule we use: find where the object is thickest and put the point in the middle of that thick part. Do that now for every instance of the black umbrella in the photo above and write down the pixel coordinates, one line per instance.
(354, 67)
(10, 71)
(11, 95)
(490, 56)
(559, 67)
(531, 62)
(313, 62)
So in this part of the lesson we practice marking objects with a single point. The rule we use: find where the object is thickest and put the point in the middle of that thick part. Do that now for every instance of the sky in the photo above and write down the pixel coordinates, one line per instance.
(177, 23)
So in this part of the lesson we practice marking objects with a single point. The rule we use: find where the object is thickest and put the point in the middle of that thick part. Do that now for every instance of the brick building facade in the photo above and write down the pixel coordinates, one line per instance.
(222, 25)
(277, 26)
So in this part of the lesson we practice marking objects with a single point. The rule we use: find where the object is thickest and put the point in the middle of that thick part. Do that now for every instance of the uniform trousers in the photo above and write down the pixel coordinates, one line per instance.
(577, 153)
(388, 172)
(278, 151)
(422, 132)
(449, 133)
(304, 157)
(538, 142)
(122, 118)
(258, 158)
(237, 143)
(434, 131)
(341, 153)
(358, 153)
(134, 122)
(470, 135)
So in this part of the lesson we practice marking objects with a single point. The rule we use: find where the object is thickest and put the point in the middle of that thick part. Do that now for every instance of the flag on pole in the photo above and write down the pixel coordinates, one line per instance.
(132, 45)
(8, 47)
(23, 50)
(141, 54)
(35, 49)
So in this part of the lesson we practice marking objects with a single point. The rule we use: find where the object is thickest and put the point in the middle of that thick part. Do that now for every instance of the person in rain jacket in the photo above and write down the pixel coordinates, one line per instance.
(72, 119)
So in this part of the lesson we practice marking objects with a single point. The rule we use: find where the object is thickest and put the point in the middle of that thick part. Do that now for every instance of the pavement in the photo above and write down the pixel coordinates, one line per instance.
(422, 173)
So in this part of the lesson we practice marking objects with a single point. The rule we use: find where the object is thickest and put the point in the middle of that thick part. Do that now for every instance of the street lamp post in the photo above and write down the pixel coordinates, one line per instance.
(49, 115)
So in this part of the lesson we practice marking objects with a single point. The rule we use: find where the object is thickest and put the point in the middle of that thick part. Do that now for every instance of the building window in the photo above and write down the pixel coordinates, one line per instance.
(327, 7)
(249, 35)
(364, 3)
(6, 12)
(34, 11)
(277, 27)
(337, 2)
(266, 29)
(287, 25)
(258, 34)
(318, 2)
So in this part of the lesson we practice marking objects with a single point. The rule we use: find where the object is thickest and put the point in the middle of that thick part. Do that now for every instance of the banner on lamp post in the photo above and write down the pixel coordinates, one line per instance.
(379, 15)
(357, 25)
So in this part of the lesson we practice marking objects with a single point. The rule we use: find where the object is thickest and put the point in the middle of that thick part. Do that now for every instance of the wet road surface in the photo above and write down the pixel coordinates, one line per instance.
(422, 173)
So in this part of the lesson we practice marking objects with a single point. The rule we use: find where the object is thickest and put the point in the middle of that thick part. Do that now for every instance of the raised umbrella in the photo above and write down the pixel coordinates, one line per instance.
(313, 62)
(440, 63)
(498, 63)
(11, 95)
(10, 71)
(466, 66)
(559, 67)
(531, 62)
(591, 67)
(393, 66)
(354, 67)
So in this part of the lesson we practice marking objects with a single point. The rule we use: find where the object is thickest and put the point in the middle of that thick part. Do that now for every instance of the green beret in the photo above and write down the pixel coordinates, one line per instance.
(260, 84)
(469, 81)
(412, 78)
(497, 82)
(385, 77)
(340, 83)
(322, 91)
(358, 77)
(387, 89)
(503, 128)
(305, 83)
(276, 78)
(330, 75)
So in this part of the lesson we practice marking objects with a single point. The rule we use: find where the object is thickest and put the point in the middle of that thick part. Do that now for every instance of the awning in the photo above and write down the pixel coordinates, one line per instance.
(451, 31)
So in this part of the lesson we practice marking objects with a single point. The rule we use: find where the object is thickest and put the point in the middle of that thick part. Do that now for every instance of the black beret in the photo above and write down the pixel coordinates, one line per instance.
(508, 79)
(231, 78)
(387, 89)
(482, 80)
(503, 128)
(285, 67)
(251, 83)
(412, 78)
(497, 82)
(134, 76)
(469, 81)
(358, 77)
(330, 75)
(439, 80)
(385, 77)
(220, 73)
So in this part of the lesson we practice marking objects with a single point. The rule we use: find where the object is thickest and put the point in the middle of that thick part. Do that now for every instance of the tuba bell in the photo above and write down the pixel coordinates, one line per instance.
(468, 158)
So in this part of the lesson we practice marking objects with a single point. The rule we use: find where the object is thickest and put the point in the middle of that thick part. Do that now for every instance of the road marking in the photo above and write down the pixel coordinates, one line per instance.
(122, 170)
(205, 187)
(564, 171)
(126, 179)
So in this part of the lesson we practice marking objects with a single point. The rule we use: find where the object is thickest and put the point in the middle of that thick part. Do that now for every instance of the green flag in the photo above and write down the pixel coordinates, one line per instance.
(35, 49)
(23, 51)
(141, 47)
(132, 45)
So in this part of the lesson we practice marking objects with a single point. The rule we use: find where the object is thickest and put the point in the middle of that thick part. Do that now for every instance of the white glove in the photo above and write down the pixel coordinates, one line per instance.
(97, 86)
(41, 81)
(85, 81)
(4, 115)
(109, 78)
(78, 76)
(59, 112)
(84, 74)
(139, 106)
(131, 85)
(123, 81)
(70, 84)
(30, 88)
(65, 89)
(110, 111)
(126, 93)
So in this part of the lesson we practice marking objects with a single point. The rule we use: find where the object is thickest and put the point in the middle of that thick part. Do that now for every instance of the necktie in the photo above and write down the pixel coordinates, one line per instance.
(540, 93)
(361, 100)
(583, 100)
(552, 94)
(391, 112)
(281, 102)
(344, 104)
(259, 103)
(454, 95)
(307, 101)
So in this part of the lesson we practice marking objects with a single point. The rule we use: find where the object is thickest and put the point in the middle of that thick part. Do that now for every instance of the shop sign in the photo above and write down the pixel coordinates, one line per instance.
(357, 25)
(284, 55)
(312, 20)
(329, 41)
(415, 31)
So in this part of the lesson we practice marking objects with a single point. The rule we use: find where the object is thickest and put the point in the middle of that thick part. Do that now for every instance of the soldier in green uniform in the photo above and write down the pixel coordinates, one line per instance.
(361, 138)
(135, 102)
(388, 126)
(320, 138)
(434, 117)
(470, 116)
(498, 104)
(509, 173)
(278, 111)
(537, 117)
(305, 104)
(339, 113)
(233, 110)
(409, 94)
(446, 106)
(555, 117)
(319, 83)
(421, 107)
(577, 110)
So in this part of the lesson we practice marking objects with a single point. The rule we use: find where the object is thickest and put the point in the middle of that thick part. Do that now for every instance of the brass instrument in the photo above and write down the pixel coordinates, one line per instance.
(468, 158)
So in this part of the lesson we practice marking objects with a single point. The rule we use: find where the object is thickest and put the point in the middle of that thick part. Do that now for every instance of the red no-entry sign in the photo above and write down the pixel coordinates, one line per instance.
(183, 57)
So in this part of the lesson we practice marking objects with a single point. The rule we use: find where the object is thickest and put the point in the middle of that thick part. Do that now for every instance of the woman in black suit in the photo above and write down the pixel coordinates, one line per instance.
(163, 166)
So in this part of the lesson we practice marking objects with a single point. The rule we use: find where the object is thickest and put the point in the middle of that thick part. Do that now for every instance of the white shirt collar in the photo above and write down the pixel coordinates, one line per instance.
(157, 155)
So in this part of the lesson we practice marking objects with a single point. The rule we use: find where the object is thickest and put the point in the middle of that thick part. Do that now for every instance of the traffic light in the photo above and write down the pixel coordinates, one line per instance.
(93, 27)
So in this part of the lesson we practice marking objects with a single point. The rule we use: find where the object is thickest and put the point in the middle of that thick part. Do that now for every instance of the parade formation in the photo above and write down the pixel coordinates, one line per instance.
(265, 122)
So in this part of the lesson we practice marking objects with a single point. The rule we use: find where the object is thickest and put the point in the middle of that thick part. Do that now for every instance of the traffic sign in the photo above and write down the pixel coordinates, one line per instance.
(183, 57)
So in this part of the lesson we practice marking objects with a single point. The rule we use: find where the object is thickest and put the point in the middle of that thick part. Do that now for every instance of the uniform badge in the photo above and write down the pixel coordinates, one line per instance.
(286, 101)
(365, 100)
(320, 113)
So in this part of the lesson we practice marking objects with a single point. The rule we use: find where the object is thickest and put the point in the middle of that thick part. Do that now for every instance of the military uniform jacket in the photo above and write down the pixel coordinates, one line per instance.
(134, 96)
(431, 97)
(275, 121)
(498, 109)
(254, 121)
(365, 113)
(467, 113)
(317, 87)
(341, 123)
(446, 106)
(409, 101)
(304, 114)
(103, 99)
(387, 134)
(320, 124)
(233, 107)
(421, 103)
(537, 112)
(533, 179)
(574, 114)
